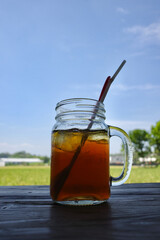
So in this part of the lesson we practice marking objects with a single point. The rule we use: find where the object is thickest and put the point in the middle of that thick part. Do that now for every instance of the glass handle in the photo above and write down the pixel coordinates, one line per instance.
(114, 131)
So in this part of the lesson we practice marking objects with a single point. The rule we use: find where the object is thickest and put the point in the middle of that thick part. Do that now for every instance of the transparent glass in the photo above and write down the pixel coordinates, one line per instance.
(80, 172)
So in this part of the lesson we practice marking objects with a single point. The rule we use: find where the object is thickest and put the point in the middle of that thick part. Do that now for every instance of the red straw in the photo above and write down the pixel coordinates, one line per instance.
(105, 86)
(109, 81)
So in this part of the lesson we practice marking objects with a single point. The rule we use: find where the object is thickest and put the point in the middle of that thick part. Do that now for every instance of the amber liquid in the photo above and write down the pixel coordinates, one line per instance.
(88, 178)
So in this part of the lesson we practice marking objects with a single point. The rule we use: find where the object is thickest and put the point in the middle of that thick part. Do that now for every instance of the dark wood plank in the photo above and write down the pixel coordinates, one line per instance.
(132, 212)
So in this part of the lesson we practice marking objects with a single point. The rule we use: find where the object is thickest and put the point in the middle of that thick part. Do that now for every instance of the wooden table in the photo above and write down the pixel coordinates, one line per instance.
(132, 212)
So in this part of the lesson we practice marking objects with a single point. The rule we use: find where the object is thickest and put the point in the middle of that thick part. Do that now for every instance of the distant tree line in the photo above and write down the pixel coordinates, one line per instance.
(146, 143)
(24, 154)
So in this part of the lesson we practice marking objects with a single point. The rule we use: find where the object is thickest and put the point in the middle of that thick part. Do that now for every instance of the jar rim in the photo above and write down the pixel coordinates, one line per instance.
(70, 100)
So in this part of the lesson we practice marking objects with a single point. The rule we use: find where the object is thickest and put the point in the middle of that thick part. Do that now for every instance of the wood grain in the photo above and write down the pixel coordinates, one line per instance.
(132, 212)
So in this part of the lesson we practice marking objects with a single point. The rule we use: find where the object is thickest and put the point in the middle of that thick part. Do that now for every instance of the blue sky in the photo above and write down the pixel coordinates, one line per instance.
(56, 49)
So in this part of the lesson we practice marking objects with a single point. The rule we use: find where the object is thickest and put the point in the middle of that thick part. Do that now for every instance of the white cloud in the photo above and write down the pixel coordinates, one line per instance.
(39, 149)
(66, 44)
(8, 147)
(146, 34)
(130, 125)
(145, 87)
(120, 87)
(122, 10)
(137, 54)
(156, 57)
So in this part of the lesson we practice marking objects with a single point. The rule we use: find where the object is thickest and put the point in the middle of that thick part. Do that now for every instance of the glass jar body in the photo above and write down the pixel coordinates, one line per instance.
(80, 154)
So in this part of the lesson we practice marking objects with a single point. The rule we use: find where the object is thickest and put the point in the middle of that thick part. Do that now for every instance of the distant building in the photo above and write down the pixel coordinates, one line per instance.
(147, 159)
(117, 158)
(4, 161)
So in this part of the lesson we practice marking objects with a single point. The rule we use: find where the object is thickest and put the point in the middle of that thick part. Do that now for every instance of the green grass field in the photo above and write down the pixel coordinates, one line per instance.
(40, 175)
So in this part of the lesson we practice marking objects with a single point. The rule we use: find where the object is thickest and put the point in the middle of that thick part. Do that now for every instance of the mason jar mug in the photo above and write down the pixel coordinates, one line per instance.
(80, 172)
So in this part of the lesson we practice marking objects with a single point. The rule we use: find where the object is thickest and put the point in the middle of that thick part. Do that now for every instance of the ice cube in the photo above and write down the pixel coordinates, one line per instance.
(67, 141)
(99, 137)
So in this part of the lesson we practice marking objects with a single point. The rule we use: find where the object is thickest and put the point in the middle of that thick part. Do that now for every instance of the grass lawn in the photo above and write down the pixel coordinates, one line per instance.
(139, 174)
(40, 175)
(24, 175)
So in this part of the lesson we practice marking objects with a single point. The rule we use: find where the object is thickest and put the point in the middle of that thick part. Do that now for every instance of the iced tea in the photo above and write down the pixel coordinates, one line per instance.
(88, 178)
